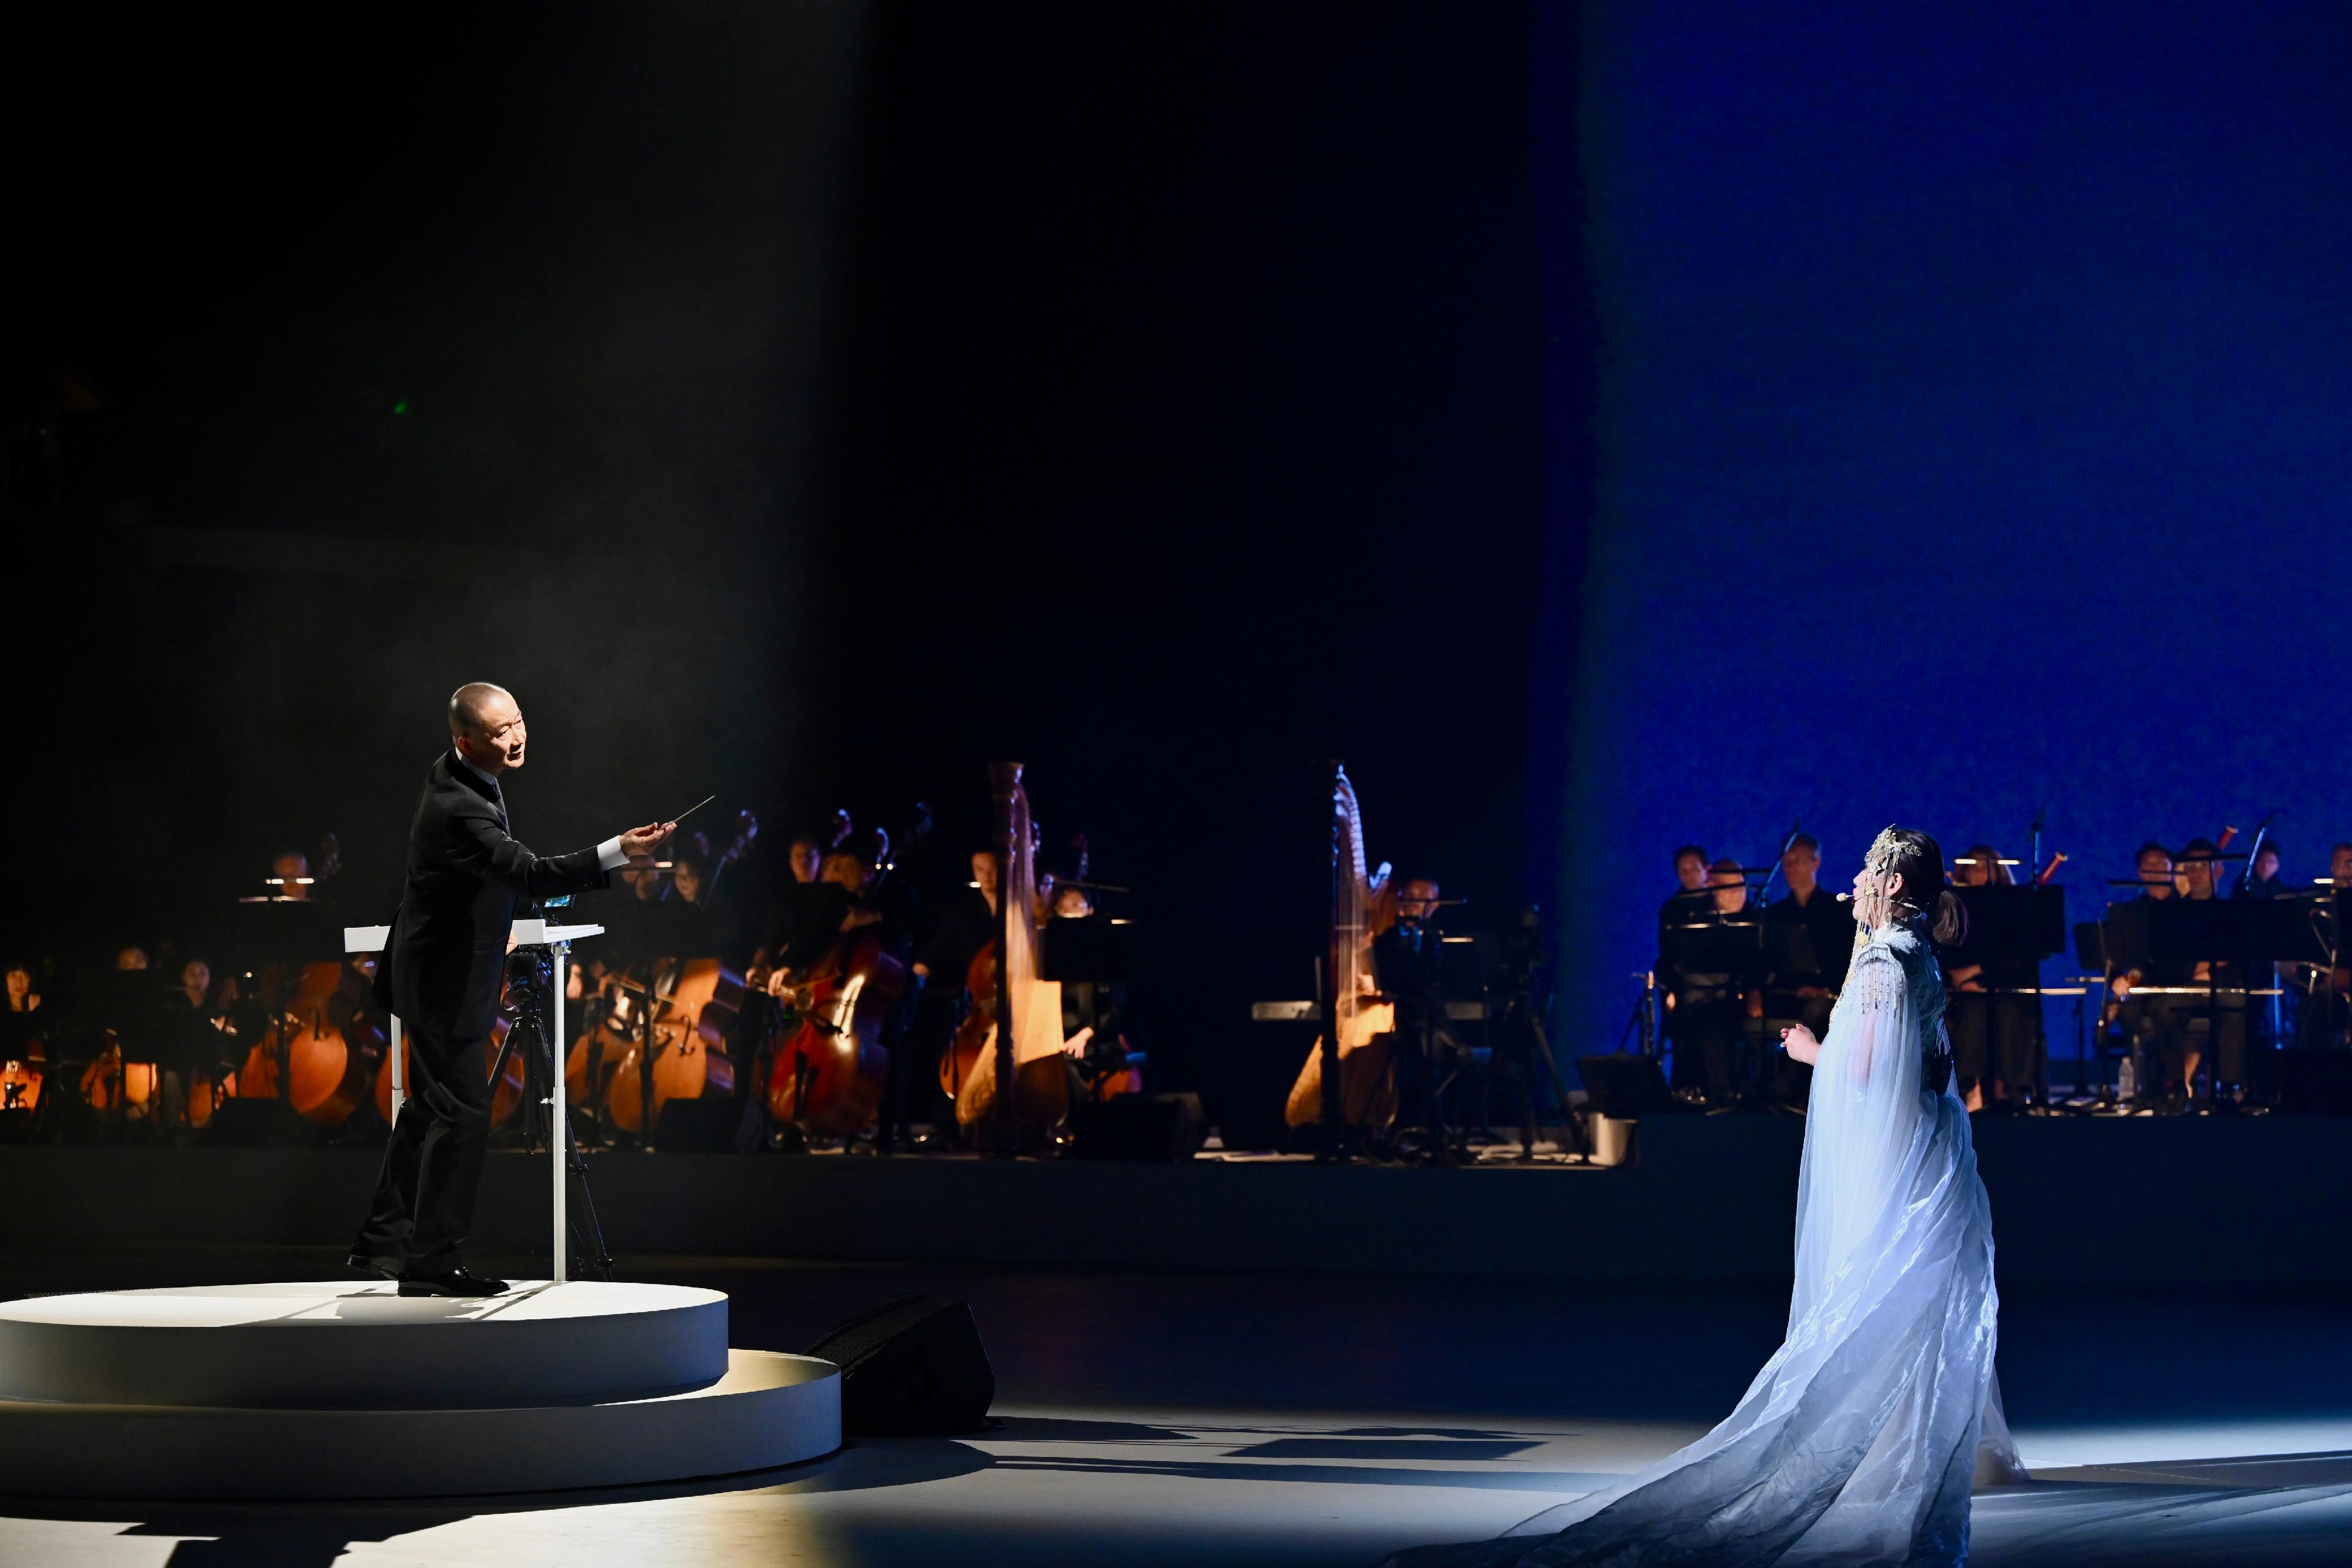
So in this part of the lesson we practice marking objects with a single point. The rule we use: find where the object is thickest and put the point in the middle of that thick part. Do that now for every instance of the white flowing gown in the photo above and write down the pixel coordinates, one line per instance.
(1859, 1441)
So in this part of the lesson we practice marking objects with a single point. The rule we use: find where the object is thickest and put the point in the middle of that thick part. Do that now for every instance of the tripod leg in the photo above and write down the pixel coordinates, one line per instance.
(1560, 1087)
(579, 1167)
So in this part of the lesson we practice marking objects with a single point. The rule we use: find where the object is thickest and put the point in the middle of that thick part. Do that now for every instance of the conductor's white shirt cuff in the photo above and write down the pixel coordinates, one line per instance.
(609, 855)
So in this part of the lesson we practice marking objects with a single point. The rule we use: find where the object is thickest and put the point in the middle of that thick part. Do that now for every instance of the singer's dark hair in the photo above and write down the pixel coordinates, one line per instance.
(1919, 861)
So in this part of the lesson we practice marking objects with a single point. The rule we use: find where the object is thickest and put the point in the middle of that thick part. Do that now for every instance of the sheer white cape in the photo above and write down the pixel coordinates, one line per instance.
(1859, 1441)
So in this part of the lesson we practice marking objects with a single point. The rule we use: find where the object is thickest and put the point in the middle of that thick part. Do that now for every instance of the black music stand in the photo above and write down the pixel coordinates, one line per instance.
(1727, 945)
(1087, 954)
(279, 935)
(2013, 926)
(2179, 934)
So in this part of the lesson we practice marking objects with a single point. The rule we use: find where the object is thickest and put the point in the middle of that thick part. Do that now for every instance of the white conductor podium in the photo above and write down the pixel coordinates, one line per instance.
(348, 1389)
(557, 939)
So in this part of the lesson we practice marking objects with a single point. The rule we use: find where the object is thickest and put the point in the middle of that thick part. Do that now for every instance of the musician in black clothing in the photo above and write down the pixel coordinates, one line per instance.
(1405, 964)
(803, 921)
(966, 925)
(1704, 1012)
(2266, 877)
(2154, 1024)
(442, 973)
(1690, 901)
(2199, 877)
(1807, 941)
(1991, 1026)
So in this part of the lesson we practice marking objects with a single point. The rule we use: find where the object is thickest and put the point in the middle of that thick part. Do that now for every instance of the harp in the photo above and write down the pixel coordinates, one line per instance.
(1349, 1079)
(1023, 1051)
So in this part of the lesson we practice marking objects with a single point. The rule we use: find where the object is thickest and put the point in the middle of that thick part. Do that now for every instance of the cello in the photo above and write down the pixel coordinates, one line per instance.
(833, 1068)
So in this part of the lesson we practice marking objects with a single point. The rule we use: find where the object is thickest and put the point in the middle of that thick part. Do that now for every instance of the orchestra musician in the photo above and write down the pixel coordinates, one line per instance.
(700, 925)
(2266, 880)
(2198, 875)
(19, 1023)
(802, 920)
(24, 995)
(1808, 939)
(1704, 1011)
(2153, 1024)
(943, 960)
(888, 911)
(290, 875)
(1990, 1024)
(441, 972)
(966, 925)
(1405, 963)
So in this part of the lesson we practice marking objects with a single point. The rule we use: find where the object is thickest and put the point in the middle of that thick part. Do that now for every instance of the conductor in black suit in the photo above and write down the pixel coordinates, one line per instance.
(441, 972)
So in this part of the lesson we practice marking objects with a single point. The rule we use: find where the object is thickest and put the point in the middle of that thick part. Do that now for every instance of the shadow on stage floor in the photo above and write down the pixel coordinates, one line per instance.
(1152, 1418)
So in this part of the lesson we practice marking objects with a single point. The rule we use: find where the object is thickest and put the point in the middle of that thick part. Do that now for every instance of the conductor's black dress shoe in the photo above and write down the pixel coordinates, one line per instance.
(381, 1267)
(450, 1282)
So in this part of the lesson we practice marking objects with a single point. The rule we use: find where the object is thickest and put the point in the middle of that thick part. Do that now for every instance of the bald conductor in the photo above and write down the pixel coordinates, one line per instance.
(441, 972)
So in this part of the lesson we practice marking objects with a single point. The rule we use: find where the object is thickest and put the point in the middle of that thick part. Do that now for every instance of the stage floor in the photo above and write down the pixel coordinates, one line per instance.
(1174, 1419)
(2162, 1202)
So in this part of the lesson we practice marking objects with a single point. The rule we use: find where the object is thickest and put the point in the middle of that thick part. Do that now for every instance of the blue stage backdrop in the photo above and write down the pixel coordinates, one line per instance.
(1971, 439)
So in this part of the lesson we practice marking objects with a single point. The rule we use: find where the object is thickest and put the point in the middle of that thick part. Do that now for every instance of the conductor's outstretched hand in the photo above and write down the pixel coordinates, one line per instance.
(639, 844)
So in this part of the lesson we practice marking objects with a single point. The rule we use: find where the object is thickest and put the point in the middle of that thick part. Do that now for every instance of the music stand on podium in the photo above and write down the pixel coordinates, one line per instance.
(556, 940)
(2011, 927)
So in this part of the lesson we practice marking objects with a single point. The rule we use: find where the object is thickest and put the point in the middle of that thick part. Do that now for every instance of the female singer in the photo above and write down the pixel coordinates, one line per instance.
(1861, 1438)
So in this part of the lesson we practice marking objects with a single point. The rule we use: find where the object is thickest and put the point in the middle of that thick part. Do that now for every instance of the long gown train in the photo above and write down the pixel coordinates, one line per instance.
(1859, 1441)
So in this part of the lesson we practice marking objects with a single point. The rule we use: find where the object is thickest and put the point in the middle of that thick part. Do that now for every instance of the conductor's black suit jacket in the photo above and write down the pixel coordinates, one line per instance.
(466, 876)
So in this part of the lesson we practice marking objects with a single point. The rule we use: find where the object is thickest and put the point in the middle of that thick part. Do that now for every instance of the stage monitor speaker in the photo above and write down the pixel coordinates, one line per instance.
(256, 1123)
(2307, 1083)
(912, 1367)
(700, 1127)
(1624, 1087)
(1149, 1127)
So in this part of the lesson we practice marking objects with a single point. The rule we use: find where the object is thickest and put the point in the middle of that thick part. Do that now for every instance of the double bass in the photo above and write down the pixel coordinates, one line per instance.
(319, 1051)
(831, 1072)
(1362, 906)
(660, 1025)
(505, 1100)
(693, 1005)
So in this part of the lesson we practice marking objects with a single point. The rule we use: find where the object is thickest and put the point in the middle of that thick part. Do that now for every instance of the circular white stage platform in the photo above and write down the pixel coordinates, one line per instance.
(351, 1390)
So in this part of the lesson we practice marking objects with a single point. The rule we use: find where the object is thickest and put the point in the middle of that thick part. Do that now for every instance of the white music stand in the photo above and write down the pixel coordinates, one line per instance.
(558, 940)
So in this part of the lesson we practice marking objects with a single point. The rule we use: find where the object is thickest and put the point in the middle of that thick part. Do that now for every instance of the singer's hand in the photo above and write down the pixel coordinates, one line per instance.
(639, 844)
(1800, 1045)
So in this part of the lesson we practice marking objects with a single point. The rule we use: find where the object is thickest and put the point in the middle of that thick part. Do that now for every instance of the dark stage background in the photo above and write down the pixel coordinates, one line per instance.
(809, 403)
(1602, 427)
(1972, 395)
